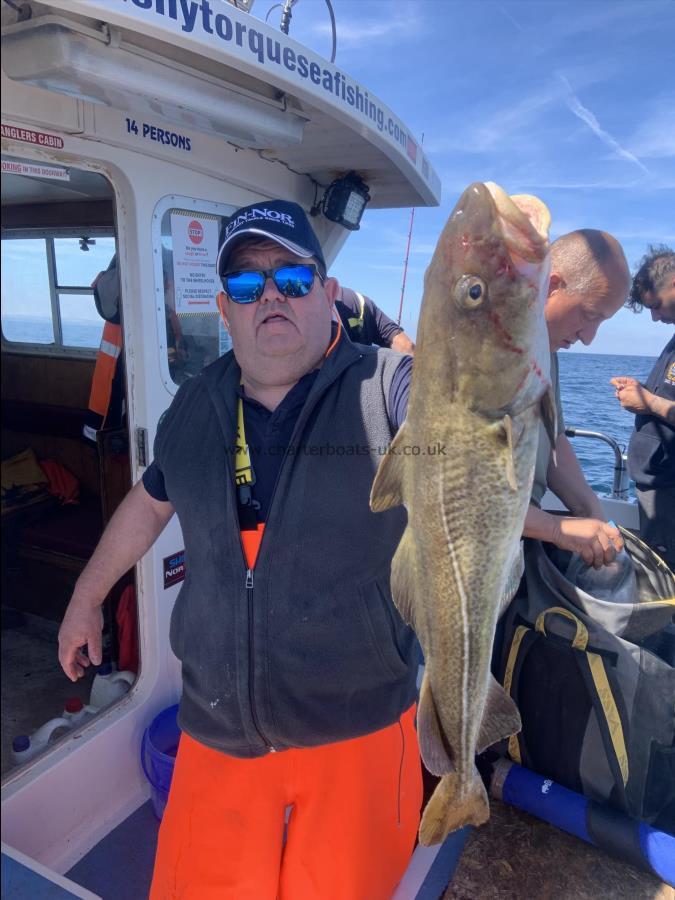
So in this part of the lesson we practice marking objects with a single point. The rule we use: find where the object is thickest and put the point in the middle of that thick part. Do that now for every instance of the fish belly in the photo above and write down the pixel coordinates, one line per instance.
(465, 524)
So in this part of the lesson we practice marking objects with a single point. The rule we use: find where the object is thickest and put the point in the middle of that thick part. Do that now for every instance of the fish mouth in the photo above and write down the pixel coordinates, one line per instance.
(525, 222)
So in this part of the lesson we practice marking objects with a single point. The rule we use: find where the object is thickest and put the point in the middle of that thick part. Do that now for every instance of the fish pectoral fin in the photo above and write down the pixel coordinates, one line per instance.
(450, 808)
(433, 745)
(404, 578)
(507, 425)
(501, 718)
(549, 416)
(386, 489)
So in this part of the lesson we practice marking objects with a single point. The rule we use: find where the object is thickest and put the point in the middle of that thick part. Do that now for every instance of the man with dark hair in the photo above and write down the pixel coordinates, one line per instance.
(365, 323)
(651, 452)
(298, 673)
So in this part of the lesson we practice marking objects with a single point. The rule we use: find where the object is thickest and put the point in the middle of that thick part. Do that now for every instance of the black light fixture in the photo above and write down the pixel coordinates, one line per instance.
(345, 200)
(86, 242)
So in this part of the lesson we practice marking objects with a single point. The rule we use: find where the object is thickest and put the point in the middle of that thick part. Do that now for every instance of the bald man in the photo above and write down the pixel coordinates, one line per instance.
(589, 282)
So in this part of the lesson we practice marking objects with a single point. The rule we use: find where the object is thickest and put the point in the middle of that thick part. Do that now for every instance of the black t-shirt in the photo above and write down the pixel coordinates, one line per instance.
(651, 452)
(268, 434)
(364, 322)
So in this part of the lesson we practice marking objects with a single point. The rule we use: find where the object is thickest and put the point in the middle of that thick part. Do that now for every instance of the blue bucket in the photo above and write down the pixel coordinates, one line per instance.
(158, 755)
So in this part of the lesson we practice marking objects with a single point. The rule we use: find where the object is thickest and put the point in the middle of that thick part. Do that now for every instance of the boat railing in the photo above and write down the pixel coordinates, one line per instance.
(621, 478)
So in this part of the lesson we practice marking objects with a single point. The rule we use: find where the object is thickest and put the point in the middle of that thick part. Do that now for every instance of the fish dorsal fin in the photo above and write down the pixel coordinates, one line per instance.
(388, 483)
(549, 416)
(507, 424)
(500, 719)
(433, 747)
(404, 578)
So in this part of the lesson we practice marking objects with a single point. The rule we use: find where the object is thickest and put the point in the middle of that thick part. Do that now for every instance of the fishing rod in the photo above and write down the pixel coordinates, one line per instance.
(407, 254)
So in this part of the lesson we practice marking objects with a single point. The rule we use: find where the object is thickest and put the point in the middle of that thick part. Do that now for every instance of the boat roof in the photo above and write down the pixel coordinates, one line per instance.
(346, 127)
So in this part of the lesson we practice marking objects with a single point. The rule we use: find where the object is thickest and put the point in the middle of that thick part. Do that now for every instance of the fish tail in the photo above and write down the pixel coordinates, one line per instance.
(448, 809)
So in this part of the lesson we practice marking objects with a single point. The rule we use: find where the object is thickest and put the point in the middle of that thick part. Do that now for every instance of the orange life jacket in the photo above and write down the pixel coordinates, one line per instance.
(102, 382)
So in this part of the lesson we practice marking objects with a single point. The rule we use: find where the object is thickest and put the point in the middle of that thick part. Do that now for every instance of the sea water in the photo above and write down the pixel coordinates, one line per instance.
(588, 402)
(587, 396)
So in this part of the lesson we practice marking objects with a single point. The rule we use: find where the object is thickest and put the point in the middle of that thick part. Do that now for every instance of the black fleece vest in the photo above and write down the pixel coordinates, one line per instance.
(309, 648)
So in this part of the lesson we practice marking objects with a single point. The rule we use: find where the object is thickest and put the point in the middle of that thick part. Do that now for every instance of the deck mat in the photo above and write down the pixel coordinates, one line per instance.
(120, 866)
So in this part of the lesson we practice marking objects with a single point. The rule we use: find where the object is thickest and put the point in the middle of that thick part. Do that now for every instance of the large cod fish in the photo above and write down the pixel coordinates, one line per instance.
(480, 387)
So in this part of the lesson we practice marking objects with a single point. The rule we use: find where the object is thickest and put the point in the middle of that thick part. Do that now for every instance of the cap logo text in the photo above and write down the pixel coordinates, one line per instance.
(255, 214)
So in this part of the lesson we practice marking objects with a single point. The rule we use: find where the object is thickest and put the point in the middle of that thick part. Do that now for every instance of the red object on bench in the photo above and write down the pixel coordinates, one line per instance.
(127, 630)
(62, 483)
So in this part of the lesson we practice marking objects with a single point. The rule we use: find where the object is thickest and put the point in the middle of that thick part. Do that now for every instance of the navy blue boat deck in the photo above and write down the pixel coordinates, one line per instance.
(120, 866)
(21, 882)
(513, 855)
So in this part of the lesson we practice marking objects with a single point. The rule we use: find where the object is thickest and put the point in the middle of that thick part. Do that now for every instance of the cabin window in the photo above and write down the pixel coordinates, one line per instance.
(191, 331)
(47, 294)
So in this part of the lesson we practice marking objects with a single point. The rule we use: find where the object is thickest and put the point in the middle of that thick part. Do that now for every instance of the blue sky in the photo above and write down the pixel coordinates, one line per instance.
(572, 101)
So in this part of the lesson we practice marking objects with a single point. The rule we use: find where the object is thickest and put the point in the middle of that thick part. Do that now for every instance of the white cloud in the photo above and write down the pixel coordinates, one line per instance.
(656, 145)
(486, 132)
(507, 15)
(632, 17)
(654, 138)
(363, 32)
(423, 249)
(390, 267)
(517, 120)
(587, 116)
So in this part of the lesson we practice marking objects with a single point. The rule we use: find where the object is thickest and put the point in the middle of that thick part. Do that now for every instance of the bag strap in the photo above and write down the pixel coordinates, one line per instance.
(592, 667)
(594, 673)
(580, 641)
(522, 640)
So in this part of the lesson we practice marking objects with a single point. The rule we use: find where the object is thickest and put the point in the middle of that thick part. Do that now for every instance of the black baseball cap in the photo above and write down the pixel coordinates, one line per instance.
(280, 221)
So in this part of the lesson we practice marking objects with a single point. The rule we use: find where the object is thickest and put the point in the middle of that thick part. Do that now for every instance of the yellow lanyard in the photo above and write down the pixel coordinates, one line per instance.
(244, 476)
(243, 470)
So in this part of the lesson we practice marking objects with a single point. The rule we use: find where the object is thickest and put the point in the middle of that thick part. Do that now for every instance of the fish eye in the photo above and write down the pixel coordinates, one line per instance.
(470, 292)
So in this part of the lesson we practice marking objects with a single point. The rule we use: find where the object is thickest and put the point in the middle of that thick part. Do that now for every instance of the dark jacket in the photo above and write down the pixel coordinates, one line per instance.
(651, 452)
(309, 648)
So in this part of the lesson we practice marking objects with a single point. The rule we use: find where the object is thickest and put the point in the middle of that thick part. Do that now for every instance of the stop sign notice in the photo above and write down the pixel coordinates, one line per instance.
(196, 232)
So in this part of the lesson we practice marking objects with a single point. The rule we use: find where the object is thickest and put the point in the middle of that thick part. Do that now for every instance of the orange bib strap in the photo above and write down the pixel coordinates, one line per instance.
(104, 373)
(251, 541)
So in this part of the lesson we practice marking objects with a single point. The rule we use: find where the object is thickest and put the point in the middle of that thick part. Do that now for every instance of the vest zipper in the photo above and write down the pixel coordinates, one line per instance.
(299, 427)
(249, 594)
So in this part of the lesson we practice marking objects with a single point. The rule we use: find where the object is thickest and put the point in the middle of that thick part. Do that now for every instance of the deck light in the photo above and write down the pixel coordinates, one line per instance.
(102, 67)
(345, 200)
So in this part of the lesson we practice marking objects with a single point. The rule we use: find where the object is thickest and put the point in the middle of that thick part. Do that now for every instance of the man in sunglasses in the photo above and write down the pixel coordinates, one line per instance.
(298, 673)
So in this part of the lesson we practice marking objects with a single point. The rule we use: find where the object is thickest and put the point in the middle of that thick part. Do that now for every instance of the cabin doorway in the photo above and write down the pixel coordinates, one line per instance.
(65, 465)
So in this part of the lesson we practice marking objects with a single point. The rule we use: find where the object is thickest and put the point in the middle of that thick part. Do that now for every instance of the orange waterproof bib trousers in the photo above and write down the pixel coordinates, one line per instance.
(355, 809)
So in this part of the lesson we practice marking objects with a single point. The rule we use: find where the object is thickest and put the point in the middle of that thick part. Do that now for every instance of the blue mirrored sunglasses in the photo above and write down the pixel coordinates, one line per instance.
(292, 281)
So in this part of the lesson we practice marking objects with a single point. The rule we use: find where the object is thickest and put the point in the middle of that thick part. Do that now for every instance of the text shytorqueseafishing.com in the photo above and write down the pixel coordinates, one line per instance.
(268, 50)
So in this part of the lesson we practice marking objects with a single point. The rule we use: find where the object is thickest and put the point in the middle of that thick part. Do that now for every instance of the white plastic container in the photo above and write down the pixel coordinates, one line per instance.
(25, 747)
(109, 686)
(77, 713)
